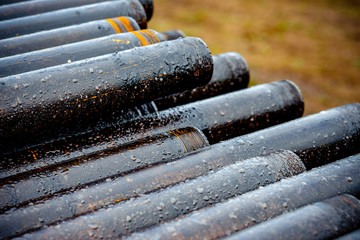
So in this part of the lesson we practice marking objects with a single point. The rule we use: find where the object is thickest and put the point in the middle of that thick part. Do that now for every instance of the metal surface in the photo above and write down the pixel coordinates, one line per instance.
(66, 17)
(44, 103)
(173, 34)
(49, 57)
(79, 172)
(12, 1)
(118, 145)
(341, 177)
(28, 8)
(318, 139)
(355, 235)
(149, 210)
(231, 73)
(66, 35)
(148, 7)
(221, 117)
(322, 220)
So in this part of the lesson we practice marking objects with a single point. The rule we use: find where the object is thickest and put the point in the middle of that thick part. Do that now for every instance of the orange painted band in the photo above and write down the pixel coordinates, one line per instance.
(126, 23)
(141, 38)
(151, 35)
(114, 25)
(180, 140)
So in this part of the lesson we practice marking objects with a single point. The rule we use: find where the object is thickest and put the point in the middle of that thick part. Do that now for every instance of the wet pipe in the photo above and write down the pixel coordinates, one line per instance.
(107, 164)
(217, 156)
(341, 177)
(321, 220)
(28, 8)
(66, 35)
(167, 204)
(42, 103)
(66, 17)
(73, 52)
(220, 117)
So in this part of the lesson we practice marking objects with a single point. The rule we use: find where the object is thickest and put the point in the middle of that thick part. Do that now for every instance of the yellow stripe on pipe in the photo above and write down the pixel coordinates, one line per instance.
(114, 25)
(141, 38)
(126, 23)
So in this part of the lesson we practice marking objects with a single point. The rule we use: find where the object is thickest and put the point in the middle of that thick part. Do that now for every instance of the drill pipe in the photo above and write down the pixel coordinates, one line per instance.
(70, 16)
(49, 57)
(321, 220)
(28, 8)
(12, 1)
(173, 34)
(101, 165)
(341, 177)
(221, 117)
(186, 197)
(355, 235)
(41, 104)
(66, 35)
(231, 73)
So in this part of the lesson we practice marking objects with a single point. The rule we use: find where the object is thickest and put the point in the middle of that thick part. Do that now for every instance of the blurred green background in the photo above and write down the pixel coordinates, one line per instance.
(316, 44)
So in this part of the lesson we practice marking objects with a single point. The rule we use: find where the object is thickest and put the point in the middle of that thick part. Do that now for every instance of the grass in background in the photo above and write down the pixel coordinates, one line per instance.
(316, 44)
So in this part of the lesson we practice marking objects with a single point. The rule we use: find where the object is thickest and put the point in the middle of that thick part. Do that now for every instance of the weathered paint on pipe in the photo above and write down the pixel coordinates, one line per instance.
(66, 35)
(341, 177)
(149, 210)
(79, 172)
(321, 220)
(173, 34)
(44, 103)
(49, 57)
(28, 8)
(66, 17)
(222, 117)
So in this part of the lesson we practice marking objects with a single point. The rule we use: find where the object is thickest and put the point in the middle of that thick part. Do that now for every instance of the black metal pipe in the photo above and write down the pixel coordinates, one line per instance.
(148, 7)
(231, 73)
(12, 2)
(318, 139)
(224, 154)
(221, 117)
(173, 34)
(341, 177)
(112, 162)
(66, 17)
(172, 202)
(28, 8)
(321, 220)
(41, 104)
(49, 57)
(355, 235)
(66, 35)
